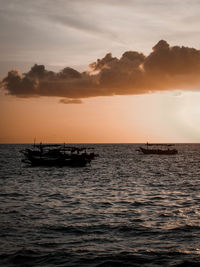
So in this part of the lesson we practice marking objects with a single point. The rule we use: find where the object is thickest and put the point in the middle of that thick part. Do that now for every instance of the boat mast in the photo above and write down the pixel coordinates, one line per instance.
(147, 145)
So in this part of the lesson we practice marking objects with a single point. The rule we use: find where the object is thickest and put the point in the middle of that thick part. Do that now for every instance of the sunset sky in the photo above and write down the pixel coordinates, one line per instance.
(100, 71)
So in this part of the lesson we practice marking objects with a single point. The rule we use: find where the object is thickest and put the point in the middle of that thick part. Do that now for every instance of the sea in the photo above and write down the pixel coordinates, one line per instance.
(123, 209)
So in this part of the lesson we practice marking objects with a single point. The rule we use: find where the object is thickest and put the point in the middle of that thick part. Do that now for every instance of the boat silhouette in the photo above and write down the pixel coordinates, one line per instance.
(159, 149)
(57, 155)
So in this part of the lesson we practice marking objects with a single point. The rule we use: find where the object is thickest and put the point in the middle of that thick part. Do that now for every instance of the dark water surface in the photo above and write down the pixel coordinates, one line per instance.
(125, 209)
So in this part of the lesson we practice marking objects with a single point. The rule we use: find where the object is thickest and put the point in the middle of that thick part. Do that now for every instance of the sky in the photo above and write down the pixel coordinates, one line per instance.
(100, 71)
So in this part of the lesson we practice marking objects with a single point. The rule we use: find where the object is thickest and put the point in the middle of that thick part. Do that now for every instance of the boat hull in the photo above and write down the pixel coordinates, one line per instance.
(47, 161)
(159, 151)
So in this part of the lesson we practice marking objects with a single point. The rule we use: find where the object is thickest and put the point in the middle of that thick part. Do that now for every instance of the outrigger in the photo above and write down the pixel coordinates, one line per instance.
(159, 149)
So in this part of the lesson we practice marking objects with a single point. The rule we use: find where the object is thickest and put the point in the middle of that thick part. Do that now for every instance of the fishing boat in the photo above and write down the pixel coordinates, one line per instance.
(159, 149)
(57, 155)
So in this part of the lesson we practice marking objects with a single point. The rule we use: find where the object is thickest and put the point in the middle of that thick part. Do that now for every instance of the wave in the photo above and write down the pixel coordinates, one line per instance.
(186, 228)
(98, 229)
(136, 228)
(11, 195)
(25, 257)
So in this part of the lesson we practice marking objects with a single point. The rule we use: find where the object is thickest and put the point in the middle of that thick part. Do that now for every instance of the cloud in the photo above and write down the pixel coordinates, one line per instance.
(81, 23)
(70, 101)
(165, 68)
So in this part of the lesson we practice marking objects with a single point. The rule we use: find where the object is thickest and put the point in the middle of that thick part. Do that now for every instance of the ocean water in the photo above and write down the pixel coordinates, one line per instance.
(124, 209)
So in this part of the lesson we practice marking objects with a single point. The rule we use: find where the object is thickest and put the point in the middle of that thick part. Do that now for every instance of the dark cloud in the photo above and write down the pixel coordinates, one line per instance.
(173, 60)
(166, 68)
(70, 101)
(104, 62)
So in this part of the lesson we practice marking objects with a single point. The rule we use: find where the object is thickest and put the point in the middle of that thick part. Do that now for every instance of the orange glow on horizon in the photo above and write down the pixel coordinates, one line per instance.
(121, 119)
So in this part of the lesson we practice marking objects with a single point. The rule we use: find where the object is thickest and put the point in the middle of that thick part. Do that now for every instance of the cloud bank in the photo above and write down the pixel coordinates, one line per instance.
(165, 68)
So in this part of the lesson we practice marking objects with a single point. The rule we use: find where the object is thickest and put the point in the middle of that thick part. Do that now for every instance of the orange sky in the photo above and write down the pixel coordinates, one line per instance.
(63, 35)
(162, 117)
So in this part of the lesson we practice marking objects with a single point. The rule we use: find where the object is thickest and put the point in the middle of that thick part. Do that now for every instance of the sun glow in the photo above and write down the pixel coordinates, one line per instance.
(189, 114)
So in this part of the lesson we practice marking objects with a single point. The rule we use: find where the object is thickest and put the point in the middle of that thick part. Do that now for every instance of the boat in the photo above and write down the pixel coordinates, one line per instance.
(57, 155)
(158, 149)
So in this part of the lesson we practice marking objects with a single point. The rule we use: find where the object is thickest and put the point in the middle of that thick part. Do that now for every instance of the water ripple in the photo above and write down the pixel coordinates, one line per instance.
(125, 209)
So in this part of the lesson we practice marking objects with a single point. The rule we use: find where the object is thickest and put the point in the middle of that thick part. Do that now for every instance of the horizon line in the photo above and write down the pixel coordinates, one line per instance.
(102, 143)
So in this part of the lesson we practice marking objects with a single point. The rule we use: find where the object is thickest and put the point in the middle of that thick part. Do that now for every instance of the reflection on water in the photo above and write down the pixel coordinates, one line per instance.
(125, 209)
